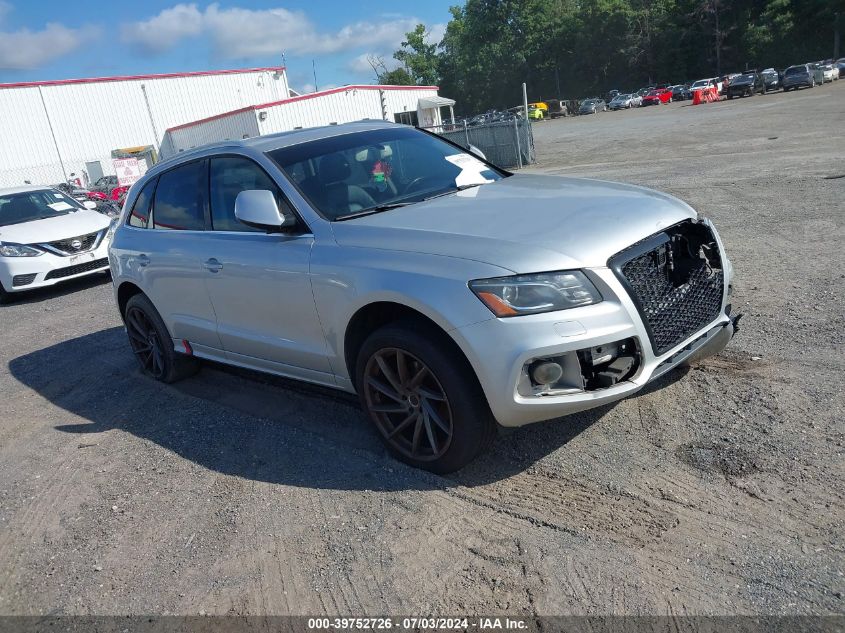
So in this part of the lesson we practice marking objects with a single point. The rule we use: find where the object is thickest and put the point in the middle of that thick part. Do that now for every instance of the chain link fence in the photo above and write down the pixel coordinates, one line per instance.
(506, 144)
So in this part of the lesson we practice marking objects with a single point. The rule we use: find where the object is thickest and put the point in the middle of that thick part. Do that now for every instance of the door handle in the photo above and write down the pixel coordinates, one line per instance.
(143, 261)
(212, 265)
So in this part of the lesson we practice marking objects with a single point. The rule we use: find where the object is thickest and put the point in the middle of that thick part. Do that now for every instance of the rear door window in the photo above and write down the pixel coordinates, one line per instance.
(181, 198)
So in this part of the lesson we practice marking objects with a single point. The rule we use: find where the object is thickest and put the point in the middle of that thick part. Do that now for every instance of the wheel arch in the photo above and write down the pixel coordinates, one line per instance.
(125, 291)
(372, 316)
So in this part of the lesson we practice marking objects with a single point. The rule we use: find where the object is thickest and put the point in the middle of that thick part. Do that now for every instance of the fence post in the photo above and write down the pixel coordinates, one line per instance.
(518, 150)
(466, 134)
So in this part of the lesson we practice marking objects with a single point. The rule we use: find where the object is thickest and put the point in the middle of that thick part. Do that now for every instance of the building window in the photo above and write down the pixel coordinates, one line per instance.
(408, 118)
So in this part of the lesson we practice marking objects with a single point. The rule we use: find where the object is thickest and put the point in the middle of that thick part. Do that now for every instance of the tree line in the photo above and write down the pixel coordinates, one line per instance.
(574, 48)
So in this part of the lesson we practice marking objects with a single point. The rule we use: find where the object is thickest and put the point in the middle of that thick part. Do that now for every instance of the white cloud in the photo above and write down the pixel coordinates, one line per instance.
(25, 49)
(436, 33)
(360, 64)
(237, 33)
(164, 31)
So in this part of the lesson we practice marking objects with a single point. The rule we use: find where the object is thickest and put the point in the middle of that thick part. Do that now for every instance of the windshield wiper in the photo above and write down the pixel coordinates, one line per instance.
(372, 210)
(454, 190)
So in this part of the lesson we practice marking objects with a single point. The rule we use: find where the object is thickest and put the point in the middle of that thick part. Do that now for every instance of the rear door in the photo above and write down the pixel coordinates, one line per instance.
(259, 283)
(170, 260)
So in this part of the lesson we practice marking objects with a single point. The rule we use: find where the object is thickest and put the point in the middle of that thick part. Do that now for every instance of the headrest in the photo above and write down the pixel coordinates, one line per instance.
(334, 168)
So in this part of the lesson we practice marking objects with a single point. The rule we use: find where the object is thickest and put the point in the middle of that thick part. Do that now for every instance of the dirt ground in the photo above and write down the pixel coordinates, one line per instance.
(716, 491)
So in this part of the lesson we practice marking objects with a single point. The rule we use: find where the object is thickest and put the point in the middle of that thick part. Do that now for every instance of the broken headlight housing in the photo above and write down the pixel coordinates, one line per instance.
(533, 294)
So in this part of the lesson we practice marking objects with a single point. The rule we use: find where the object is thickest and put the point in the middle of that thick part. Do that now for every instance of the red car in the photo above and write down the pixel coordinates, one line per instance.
(656, 97)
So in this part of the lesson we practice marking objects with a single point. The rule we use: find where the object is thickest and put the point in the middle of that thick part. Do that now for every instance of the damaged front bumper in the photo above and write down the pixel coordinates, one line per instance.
(604, 352)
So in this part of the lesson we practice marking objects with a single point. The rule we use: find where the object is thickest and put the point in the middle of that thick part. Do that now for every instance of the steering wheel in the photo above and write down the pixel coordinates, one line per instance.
(416, 183)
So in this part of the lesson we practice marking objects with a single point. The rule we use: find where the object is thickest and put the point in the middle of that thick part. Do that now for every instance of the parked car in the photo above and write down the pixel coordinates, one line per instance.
(705, 84)
(795, 77)
(746, 85)
(829, 72)
(592, 106)
(46, 237)
(535, 113)
(557, 108)
(840, 64)
(657, 97)
(681, 93)
(104, 184)
(282, 254)
(771, 79)
(626, 101)
(611, 95)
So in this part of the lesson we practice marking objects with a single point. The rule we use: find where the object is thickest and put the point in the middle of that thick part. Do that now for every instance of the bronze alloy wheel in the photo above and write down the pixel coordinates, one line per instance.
(145, 342)
(408, 404)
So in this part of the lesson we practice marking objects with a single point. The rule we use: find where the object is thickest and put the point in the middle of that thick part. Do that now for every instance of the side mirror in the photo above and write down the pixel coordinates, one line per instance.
(89, 204)
(473, 149)
(258, 208)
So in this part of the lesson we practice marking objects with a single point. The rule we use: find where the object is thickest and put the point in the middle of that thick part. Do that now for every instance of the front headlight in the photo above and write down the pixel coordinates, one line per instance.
(532, 294)
(18, 250)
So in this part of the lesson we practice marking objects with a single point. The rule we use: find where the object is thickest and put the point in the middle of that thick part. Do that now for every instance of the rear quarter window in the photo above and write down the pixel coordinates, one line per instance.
(140, 215)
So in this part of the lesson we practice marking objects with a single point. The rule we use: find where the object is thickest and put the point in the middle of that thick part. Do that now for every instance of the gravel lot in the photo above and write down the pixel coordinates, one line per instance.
(717, 491)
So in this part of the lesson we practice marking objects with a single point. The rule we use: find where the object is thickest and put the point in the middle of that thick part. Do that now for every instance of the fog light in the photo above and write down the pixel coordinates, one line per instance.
(546, 373)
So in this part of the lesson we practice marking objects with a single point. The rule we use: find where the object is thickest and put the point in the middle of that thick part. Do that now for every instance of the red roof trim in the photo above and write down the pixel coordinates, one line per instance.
(311, 95)
(94, 80)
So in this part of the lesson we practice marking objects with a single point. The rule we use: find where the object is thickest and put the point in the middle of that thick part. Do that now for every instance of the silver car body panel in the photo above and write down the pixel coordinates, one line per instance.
(282, 303)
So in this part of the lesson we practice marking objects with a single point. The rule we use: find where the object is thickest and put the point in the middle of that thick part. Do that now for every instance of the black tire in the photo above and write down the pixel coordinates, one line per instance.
(5, 297)
(151, 343)
(433, 415)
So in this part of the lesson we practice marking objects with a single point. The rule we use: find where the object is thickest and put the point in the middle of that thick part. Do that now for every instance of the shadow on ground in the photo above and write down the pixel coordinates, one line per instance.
(253, 426)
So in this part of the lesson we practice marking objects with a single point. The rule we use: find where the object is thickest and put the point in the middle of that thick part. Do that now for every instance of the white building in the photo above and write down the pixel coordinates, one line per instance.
(52, 129)
(414, 105)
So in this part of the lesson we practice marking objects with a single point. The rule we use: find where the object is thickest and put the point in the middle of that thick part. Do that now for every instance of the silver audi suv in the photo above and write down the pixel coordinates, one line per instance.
(449, 294)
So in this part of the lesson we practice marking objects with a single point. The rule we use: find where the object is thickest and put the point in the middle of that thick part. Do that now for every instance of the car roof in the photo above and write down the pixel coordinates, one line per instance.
(23, 189)
(278, 140)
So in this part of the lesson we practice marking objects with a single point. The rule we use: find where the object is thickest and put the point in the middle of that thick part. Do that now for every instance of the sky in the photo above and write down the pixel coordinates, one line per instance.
(51, 39)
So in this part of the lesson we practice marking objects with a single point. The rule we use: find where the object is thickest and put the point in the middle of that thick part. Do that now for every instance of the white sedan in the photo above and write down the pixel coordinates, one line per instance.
(831, 72)
(47, 237)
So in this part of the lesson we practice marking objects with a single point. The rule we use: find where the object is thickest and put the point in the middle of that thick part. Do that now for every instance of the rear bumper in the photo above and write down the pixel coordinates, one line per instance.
(19, 274)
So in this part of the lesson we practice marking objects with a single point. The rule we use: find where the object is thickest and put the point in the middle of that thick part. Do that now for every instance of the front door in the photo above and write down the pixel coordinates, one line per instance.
(259, 283)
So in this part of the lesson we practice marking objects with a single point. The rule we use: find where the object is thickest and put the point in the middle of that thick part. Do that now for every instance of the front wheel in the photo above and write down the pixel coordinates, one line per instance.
(152, 345)
(423, 398)
(5, 297)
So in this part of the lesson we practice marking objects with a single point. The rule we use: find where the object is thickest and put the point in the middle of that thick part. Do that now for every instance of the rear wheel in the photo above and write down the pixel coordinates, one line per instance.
(423, 398)
(152, 345)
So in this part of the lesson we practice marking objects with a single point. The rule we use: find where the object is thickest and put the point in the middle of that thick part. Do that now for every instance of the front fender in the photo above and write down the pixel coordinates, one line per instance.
(346, 279)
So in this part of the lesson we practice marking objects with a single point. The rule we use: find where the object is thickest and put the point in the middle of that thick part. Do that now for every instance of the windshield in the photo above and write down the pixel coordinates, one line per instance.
(796, 70)
(28, 206)
(701, 83)
(368, 172)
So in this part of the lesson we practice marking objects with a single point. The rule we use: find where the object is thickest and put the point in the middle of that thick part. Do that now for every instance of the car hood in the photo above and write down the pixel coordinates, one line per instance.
(60, 227)
(524, 223)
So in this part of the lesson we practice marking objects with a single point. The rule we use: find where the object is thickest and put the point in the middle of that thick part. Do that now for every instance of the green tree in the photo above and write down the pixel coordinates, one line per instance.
(418, 57)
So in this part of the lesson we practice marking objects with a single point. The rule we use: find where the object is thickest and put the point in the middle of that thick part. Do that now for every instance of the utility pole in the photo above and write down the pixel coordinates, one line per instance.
(837, 26)
(314, 68)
